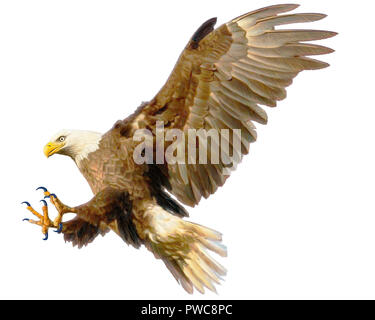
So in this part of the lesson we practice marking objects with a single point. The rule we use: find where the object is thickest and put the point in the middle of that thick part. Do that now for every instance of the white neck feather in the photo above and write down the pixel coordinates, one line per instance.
(88, 144)
(82, 143)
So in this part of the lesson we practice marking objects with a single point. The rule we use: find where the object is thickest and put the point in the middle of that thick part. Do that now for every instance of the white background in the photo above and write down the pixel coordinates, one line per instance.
(298, 215)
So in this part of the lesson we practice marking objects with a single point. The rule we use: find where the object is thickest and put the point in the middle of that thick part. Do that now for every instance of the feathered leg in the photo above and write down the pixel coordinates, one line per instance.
(109, 209)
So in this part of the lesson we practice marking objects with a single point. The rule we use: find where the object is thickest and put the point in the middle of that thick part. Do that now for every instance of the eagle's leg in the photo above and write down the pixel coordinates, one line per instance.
(60, 207)
(44, 221)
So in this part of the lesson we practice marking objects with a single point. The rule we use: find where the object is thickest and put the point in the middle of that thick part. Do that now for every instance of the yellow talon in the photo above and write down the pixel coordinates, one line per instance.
(44, 221)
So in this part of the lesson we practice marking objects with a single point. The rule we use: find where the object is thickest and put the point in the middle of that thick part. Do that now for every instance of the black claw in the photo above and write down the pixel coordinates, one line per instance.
(26, 219)
(44, 202)
(49, 196)
(46, 236)
(42, 188)
(59, 229)
(28, 204)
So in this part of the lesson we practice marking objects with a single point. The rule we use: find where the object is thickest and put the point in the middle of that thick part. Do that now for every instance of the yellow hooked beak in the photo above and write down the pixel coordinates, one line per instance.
(52, 147)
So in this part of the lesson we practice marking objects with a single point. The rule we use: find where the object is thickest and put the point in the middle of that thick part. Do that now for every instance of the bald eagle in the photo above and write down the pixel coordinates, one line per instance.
(218, 82)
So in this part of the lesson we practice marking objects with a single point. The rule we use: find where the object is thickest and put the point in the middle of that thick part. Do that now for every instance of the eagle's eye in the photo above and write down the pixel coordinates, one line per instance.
(61, 139)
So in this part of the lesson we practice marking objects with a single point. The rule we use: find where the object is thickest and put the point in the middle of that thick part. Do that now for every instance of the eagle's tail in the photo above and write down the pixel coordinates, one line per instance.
(184, 246)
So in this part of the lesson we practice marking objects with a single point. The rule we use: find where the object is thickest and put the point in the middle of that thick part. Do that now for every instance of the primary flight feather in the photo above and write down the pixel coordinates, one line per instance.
(220, 81)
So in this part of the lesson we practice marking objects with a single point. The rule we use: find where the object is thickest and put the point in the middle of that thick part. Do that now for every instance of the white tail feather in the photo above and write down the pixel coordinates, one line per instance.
(184, 247)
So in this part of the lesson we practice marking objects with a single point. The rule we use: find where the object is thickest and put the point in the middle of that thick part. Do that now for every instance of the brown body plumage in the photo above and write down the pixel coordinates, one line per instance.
(219, 81)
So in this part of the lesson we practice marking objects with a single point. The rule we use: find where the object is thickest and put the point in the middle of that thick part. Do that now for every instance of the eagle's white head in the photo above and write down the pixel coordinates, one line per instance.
(77, 144)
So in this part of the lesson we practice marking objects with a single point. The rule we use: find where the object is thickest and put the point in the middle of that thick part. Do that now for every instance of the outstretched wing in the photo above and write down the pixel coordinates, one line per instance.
(219, 81)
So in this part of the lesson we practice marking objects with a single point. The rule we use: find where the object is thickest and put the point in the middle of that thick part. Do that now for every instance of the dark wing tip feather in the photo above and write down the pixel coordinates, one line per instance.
(202, 31)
